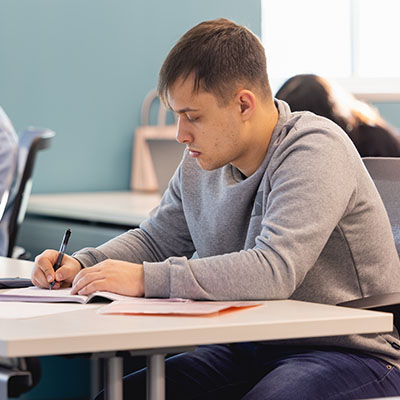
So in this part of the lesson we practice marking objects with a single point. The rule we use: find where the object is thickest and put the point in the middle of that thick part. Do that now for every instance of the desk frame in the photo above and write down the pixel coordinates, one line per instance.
(85, 331)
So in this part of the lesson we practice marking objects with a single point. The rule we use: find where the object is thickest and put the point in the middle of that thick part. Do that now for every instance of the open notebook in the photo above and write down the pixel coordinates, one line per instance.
(37, 295)
(126, 304)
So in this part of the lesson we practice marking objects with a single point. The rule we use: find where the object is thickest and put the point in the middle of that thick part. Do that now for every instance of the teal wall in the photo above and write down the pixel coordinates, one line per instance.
(390, 111)
(83, 67)
(62, 378)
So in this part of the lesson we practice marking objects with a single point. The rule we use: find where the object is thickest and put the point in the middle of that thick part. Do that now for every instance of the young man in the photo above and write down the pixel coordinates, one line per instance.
(266, 204)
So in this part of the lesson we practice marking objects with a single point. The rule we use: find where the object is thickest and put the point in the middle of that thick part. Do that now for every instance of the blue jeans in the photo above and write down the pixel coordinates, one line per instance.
(256, 371)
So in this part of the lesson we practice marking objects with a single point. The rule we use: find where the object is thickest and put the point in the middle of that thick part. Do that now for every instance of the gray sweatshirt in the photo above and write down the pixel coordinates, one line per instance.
(307, 225)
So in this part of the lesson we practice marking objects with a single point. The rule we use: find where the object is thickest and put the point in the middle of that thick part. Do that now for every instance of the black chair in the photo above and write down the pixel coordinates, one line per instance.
(385, 171)
(18, 375)
(30, 142)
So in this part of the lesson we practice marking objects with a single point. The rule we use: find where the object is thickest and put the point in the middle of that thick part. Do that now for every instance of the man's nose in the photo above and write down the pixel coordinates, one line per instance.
(183, 134)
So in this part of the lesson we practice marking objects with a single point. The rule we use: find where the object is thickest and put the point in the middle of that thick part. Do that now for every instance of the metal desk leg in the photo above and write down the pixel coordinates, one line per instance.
(113, 378)
(96, 377)
(155, 378)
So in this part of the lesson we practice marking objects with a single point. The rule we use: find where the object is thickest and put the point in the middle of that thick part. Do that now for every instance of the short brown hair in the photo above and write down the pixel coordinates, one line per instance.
(221, 54)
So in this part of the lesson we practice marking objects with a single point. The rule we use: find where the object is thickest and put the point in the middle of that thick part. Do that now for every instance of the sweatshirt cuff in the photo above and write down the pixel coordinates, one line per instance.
(157, 279)
(84, 260)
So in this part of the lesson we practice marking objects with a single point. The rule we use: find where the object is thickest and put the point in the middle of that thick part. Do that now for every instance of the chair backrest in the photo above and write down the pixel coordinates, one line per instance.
(30, 142)
(385, 172)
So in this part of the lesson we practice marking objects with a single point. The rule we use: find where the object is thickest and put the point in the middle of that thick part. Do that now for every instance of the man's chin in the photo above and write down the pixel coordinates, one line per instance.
(207, 166)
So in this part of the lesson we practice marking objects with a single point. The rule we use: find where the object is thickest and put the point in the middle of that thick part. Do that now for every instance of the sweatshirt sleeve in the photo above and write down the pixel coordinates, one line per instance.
(312, 186)
(162, 235)
(8, 153)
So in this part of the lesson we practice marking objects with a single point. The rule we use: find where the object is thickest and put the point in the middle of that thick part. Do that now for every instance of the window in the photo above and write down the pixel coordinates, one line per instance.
(351, 41)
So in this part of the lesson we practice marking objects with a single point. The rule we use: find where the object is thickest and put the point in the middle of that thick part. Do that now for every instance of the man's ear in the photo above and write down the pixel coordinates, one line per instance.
(247, 102)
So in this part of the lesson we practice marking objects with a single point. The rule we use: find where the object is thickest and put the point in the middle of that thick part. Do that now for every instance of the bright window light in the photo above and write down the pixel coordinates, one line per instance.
(352, 41)
(379, 33)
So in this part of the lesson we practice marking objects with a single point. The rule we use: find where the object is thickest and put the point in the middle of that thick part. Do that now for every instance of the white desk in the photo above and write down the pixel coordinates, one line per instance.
(125, 208)
(93, 218)
(85, 331)
(13, 268)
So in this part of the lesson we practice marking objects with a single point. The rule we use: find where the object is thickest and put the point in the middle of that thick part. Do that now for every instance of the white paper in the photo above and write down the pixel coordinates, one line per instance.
(166, 307)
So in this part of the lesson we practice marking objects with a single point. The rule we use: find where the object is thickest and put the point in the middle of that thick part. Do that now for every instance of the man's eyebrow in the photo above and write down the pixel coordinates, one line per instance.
(184, 110)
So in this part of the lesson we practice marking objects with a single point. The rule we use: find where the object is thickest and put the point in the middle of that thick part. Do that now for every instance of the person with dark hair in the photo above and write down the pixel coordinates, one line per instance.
(266, 204)
(8, 175)
(370, 133)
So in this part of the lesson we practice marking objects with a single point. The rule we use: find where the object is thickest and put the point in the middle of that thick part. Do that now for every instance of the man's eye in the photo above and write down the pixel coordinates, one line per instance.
(191, 119)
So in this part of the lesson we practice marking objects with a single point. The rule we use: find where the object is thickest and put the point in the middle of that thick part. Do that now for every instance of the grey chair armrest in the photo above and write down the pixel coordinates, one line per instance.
(389, 302)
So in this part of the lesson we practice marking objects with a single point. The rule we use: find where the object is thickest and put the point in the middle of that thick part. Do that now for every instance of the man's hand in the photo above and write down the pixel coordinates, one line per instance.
(112, 276)
(43, 272)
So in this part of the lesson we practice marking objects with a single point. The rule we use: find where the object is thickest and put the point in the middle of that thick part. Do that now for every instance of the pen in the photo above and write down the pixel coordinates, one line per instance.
(61, 252)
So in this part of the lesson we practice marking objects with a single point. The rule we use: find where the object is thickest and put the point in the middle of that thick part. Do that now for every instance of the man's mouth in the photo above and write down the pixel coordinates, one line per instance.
(194, 153)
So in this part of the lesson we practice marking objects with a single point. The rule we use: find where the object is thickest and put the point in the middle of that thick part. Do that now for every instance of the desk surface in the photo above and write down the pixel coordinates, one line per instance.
(125, 208)
(84, 330)
(13, 268)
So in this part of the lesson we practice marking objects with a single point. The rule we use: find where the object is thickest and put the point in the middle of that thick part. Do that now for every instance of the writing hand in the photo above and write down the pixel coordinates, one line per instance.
(110, 275)
(43, 272)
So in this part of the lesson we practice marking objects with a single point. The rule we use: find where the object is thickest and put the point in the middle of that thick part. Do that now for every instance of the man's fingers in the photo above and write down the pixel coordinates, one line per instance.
(85, 278)
(43, 272)
(39, 282)
(85, 271)
(56, 285)
(65, 273)
(94, 286)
